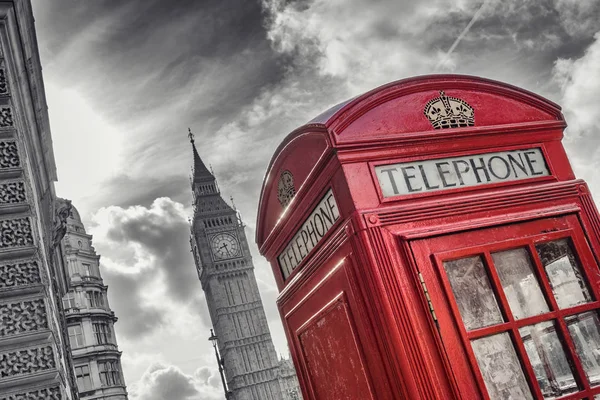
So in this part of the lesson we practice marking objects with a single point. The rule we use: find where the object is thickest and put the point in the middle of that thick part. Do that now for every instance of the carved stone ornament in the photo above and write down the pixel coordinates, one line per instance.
(52, 393)
(62, 210)
(449, 112)
(12, 193)
(22, 317)
(26, 361)
(3, 82)
(285, 188)
(19, 274)
(15, 233)
(6, 118)
(9, 156)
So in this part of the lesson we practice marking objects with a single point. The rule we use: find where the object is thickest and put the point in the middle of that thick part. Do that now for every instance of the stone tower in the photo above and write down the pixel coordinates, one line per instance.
(96, 357)
(226, 272)
(34, 360)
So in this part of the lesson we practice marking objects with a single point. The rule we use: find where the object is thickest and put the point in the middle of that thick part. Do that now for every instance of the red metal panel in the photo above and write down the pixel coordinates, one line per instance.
(405, 113)
(299, 156)
(329, 330)
(331, 354)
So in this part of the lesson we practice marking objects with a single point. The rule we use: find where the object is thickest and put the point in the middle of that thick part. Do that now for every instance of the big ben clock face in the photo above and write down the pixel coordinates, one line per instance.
(224, 246)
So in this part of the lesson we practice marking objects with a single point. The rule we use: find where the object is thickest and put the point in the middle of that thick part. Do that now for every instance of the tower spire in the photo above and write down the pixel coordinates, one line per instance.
(200, 170)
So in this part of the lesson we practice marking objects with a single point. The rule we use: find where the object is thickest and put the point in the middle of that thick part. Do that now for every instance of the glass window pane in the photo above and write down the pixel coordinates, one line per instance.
(585, 331)
(548, 359)
(567, 282)
(474, 296)
(500, 367)
(520, 283)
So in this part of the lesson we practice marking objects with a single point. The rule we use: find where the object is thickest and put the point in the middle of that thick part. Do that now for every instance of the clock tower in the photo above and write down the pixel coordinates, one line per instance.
(225, 269)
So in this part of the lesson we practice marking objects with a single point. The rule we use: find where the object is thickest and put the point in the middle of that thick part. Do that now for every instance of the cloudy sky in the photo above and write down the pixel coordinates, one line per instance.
(124, 80)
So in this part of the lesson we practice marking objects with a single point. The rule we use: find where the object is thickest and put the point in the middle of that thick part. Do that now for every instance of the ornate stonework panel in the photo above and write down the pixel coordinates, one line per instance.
(9, 156)
(12, 193)
(22, 317)
(3, 82)
(52, 393)
(6, 118)
(19, 274)
(15, 233)
(26, 361)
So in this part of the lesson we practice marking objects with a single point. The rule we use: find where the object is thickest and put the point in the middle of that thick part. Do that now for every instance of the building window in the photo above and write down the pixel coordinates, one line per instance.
(102, 332)
(94, 299)
(75, 336)
(69, 301)
(109, 373)
(84, 381)
(90, 270)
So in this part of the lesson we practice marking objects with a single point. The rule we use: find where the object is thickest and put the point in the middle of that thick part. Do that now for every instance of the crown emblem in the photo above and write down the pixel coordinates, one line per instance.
(285, 188)
(449, 112)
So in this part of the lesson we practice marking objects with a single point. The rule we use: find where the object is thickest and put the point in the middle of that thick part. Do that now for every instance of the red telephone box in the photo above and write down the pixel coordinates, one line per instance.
(430, 241)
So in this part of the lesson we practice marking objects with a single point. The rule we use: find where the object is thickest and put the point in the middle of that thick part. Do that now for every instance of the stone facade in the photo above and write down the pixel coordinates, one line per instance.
(226, 272)
(288, 381)
(34, 357)
(93, 344)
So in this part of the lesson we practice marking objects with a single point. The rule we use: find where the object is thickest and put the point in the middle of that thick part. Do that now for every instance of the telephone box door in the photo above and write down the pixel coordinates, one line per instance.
(517, 309)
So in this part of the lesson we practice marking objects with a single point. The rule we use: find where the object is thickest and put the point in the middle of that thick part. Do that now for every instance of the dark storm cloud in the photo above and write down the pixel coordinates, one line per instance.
(136, 320)
(199, 306)
(153, 68)
(163, 233)
(146, 254)
(146, 190)
(145, 55)
(530, 29)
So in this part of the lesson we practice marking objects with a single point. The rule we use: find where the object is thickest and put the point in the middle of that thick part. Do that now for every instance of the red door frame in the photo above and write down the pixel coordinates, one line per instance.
(431, 252)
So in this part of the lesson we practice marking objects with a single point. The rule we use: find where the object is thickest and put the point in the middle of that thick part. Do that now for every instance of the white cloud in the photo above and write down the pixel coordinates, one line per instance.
(87, 148)
(147, 262)
(130, 234)
(153, 289)
(167, 382)
(363, 42)
(580, 87)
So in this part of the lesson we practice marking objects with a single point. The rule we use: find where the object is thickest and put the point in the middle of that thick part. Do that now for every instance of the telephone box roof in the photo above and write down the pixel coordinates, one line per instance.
(348, 110)
(394, 112)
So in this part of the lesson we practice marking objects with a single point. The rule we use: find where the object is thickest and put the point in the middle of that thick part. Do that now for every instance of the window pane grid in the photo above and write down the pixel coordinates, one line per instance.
(555, 315)
(497, 285)
(566, 337)
(528, 368)
(516, 324)
(543, 278)
(580, 377)
(564, 270)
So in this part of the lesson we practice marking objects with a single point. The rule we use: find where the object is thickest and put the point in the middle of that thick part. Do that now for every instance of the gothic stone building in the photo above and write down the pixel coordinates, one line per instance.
(93, 344)
(226, 272)
(34, 360)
